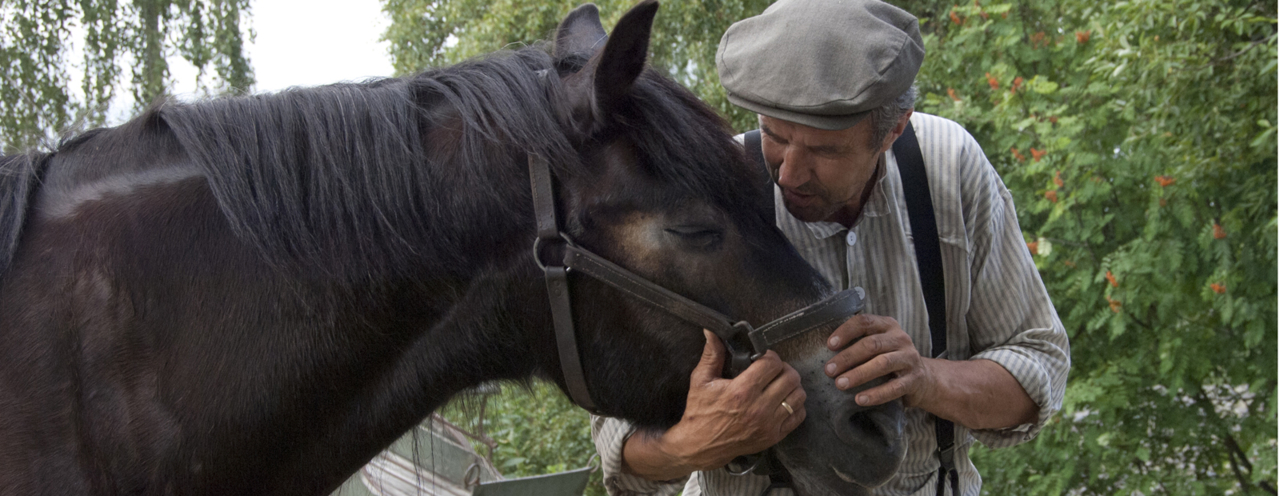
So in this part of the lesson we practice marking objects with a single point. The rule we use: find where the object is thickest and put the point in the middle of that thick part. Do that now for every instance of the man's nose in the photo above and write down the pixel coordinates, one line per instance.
(793, 170)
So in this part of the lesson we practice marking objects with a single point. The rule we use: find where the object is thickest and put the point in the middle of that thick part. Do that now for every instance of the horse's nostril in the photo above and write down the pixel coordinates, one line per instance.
(874, 429)
(875, 436)
(864, 427)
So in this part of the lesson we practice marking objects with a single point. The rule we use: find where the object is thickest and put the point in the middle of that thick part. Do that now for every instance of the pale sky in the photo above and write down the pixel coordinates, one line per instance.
(299, 43)
(305, 43)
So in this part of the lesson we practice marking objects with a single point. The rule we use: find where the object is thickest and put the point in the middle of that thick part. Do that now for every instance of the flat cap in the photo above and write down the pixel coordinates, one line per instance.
(821, 63)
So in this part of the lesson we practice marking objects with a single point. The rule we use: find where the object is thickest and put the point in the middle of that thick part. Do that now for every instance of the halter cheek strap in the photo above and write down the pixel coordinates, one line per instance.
(557, 278)
(557, 255)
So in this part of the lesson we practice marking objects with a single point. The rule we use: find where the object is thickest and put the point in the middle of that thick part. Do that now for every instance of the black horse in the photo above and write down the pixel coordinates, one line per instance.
(257, 294)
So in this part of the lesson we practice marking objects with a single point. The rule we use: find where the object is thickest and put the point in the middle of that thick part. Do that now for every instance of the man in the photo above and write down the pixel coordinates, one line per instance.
(832, 81)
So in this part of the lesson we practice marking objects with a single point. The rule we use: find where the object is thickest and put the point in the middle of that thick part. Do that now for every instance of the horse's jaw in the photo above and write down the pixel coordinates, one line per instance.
(838, 454)
(842, 448)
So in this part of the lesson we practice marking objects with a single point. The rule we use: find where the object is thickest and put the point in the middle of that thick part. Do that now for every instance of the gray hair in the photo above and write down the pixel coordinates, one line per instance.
(886, 116)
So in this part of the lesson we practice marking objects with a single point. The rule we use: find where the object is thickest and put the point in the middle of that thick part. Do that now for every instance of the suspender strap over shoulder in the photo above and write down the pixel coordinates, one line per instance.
(755, 153)
(924, 232)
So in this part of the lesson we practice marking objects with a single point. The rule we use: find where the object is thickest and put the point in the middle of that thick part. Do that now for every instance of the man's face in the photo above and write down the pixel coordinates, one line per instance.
(822, 173)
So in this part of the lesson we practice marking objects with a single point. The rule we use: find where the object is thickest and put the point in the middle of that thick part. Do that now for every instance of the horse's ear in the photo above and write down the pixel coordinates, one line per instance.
(580, 33)
(624, 53)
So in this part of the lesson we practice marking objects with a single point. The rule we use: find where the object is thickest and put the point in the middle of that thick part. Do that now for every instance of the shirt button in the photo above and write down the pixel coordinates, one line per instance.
(851, 238)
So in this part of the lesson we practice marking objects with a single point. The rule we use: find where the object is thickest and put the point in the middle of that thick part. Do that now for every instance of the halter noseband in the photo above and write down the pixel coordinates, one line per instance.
(744, 343)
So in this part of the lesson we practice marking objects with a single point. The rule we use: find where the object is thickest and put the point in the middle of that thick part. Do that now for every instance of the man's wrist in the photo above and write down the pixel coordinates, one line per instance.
(975, 393)
(651, 457)
(925, 396)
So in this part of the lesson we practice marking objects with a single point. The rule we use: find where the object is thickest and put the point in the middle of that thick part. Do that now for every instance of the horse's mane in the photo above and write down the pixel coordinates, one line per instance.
(347, 171)
(342, 170)
(19, 177)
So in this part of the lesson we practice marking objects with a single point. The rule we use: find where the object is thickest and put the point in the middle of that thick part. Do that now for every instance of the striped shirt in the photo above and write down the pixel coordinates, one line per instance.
(997, 306)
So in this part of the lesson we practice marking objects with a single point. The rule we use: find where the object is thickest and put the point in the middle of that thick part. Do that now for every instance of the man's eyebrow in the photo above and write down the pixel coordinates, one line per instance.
(828, 149)
(818, 149)
(769, 132)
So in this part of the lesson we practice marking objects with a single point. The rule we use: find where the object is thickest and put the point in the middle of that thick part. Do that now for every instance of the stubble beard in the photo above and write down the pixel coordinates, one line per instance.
(820, 207)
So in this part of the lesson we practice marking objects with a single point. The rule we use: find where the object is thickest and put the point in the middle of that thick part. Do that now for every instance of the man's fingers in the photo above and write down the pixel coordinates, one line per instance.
(795, 400)
(797, 415)
(866, 349)
(787, 380)
(858, 326)
(711, 365)
(884, 393)
(880, 366)
(761, 372)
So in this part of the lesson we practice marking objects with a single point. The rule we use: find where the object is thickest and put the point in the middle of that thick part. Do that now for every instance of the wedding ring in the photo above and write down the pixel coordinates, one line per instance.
(788, 407)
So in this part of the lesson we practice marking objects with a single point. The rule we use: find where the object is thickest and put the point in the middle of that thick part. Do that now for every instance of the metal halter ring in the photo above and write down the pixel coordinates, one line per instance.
(537, 249)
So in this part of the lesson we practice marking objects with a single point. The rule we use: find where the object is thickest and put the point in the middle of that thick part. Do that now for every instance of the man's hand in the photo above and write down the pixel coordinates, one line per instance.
(880, 348)
(978, 394)
(723, 418)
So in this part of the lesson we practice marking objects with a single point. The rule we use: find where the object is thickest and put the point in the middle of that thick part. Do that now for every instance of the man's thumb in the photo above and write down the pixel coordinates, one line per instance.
(711, 365)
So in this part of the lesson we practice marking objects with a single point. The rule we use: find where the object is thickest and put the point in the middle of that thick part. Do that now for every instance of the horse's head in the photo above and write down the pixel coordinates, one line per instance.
(668, 194)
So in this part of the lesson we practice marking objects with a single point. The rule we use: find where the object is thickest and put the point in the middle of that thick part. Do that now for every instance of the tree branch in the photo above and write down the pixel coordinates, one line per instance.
(1235, 455)
(1242, 51)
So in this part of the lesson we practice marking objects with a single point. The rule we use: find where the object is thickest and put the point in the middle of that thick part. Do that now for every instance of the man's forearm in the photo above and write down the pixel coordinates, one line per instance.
(643, 456)
(978, 394)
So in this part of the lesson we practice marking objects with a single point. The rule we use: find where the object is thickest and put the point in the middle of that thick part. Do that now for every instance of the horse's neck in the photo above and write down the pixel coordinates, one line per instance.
(355, 364)
(483, 335)
(250, 352)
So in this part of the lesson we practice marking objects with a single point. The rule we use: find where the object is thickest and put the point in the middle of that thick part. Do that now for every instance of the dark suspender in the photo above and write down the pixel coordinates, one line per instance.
(924, 228)
(751, 144)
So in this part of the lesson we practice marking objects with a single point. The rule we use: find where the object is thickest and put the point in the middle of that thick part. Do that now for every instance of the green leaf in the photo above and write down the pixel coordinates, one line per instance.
(1043, 86)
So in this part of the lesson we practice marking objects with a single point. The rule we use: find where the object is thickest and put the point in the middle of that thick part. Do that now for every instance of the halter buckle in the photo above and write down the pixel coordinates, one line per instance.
(741, 350)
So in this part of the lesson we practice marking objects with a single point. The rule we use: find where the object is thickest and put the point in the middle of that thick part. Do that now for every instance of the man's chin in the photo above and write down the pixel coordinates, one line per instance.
(806, 213)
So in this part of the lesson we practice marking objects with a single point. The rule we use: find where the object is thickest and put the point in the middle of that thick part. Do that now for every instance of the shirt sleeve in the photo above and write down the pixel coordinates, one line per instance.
(610, 435)
(1011, 320)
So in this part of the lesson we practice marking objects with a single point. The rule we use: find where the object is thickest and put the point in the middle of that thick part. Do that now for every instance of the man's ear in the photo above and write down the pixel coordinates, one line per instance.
(898, 129)
(580, 33)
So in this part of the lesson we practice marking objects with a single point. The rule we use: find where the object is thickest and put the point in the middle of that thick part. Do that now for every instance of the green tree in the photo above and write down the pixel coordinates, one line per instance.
(431, 33)
(39, 37)
(1139, 141)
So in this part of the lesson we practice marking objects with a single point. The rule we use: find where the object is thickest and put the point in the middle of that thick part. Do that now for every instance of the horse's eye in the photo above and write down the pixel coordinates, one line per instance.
(696, 236)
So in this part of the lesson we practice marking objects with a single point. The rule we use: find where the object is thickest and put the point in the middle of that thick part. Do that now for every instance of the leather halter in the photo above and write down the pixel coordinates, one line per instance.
(556, 254)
